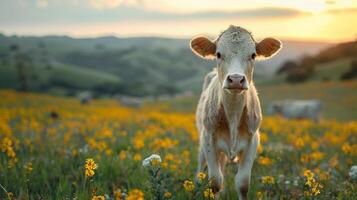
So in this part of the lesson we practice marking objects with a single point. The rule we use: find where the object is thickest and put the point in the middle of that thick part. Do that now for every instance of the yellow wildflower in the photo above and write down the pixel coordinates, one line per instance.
(90, 166)
(137, 157)
(122, 155)
(138, 143)
(28, 167)
(259, 195)
(268, 180)
(308, 174)
(201, 176)
(117, 194)
(135, 194)
(98, 198)
(167, 194)
(208, 193)
(264, 160)
(188, 185)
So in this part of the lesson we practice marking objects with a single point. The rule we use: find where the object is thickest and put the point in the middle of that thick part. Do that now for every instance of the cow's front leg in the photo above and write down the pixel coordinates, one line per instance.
(214, 171)
(242, 179)
(201, 158)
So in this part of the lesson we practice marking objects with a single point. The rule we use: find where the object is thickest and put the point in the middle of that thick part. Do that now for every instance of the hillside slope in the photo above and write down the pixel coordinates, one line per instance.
(145, 66)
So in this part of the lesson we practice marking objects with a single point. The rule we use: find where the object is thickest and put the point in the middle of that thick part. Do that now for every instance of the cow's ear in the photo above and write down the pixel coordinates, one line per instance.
(268, 47)
(203, 47)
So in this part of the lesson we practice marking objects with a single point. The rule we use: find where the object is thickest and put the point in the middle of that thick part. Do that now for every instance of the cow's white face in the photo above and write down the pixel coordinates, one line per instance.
(235, 51)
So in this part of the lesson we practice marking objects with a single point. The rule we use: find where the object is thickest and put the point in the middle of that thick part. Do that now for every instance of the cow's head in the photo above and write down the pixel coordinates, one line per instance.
(235, 51)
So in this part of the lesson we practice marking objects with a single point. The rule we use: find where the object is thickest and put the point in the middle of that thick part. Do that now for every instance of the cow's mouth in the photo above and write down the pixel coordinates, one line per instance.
(234, 89)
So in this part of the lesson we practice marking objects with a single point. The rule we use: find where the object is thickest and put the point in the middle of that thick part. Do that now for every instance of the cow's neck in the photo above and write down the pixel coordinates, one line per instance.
(233, 105)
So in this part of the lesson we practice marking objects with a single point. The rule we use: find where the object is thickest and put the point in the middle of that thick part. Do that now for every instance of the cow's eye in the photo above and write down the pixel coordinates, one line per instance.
(218, 54)
(253, 56)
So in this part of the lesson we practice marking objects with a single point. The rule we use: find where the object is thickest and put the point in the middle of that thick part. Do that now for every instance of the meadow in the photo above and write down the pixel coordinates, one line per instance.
(56, 148)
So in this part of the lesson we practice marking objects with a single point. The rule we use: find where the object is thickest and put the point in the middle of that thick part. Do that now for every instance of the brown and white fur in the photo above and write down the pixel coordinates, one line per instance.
(228, 114)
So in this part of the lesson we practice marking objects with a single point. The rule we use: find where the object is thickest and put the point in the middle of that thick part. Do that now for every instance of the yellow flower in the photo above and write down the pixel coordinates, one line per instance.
(167, 194)
(28, 167)
(201, 176)
(317, 156)
(188, 185)
(308, 174)
(299, 142)
(314, 186)
(169, 157)
(138, 143)
(118, 194)
(268, 180)
(135, 194)
(164, 164)
(137, 157)
(265, 161)
(173, 167)
(260, 195)
(98, 198)
(208, 193)
(122, 155)
(346, 148)
(90, 166)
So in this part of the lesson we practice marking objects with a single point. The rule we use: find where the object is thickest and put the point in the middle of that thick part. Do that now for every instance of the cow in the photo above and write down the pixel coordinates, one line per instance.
(85, 97)
(297, 109)
(228, 113)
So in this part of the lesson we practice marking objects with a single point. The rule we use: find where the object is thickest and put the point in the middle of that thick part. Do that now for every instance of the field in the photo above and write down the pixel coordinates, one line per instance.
(47, 144)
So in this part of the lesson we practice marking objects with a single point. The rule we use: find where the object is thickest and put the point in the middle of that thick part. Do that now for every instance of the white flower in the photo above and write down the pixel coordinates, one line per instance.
(353, 173)
(147, 161)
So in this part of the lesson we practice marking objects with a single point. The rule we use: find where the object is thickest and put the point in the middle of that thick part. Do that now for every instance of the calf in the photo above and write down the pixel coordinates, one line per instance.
(228, 114)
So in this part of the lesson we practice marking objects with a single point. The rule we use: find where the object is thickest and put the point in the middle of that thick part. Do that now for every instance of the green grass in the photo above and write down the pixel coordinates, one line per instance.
(57, 149)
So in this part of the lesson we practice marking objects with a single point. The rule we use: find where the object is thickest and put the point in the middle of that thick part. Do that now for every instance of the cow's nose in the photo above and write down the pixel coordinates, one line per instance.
(235, 81)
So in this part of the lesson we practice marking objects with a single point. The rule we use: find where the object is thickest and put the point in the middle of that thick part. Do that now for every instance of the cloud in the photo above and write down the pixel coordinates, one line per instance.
(78, 12)
(342, 11)
(111, 4)
(41, 3)
(251, 13)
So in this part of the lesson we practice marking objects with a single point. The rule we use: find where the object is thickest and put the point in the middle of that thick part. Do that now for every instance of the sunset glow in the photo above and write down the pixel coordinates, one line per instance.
(320, 20)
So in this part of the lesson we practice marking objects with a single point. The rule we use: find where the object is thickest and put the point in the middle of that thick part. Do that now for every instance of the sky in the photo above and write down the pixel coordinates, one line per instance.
(312, 20)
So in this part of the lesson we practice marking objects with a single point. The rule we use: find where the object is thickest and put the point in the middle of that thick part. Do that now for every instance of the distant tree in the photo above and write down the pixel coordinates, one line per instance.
(44, 54)
(303, 71)
(351, 73)
(22, 63)
(287, 66)
(14, 47)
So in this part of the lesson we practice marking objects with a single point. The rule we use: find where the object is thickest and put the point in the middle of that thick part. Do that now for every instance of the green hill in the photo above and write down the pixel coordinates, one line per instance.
(145, 66)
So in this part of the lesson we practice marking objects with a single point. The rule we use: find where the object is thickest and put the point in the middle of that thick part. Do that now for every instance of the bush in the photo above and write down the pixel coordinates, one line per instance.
(300, 74)
(287, 66)
(352, 73)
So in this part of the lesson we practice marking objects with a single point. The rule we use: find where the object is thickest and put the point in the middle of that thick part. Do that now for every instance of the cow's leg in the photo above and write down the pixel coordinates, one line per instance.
(222, 159)
(242, 179)
(214, 170)
(201, 159)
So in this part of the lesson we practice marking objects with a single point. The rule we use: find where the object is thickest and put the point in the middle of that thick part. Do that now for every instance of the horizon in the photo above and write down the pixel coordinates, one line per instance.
(321, 20)
(158, 36)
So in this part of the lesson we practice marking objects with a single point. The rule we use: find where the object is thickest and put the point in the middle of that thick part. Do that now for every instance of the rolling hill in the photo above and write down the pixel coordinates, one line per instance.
(107, 65)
